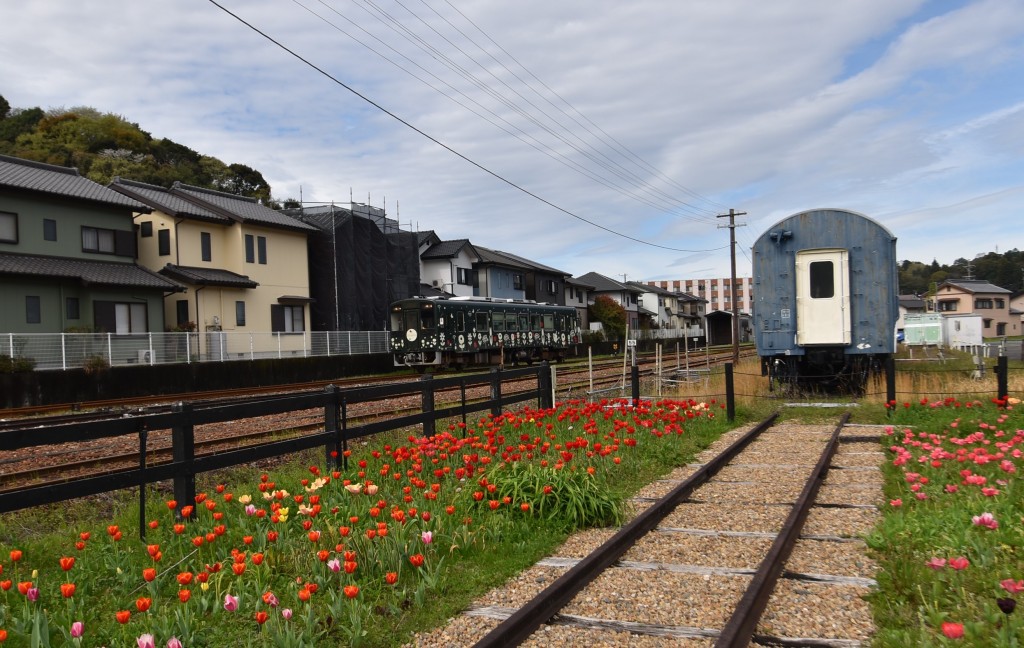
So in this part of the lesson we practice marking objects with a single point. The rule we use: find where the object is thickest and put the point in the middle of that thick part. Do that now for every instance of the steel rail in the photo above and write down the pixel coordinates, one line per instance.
(739, 630)
(527, 619)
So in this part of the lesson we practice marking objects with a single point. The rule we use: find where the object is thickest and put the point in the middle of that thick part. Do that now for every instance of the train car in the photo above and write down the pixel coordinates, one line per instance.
(825, 299)
(463, 331)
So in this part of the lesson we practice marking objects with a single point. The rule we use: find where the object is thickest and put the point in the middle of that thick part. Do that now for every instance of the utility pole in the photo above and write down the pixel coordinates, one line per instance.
(732, 282)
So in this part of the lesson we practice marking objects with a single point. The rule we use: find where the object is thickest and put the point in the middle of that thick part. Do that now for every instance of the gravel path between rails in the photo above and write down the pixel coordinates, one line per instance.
(676, 582)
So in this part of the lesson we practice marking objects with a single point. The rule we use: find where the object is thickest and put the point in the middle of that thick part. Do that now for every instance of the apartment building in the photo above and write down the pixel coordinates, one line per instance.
(717, 292)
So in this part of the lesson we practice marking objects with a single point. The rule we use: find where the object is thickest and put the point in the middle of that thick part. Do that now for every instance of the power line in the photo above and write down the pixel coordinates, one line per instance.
(439, 142)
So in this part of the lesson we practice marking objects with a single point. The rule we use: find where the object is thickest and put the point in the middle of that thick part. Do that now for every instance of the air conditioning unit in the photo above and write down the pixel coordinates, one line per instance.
(145, 356)
(435, 283)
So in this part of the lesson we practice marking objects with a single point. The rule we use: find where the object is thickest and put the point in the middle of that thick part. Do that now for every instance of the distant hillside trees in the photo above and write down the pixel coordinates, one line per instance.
(1005, 270)
(103, 146)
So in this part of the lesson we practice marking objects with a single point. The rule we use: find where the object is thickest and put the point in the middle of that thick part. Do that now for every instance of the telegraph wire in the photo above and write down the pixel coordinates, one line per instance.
(442, 144)
(611, 141)
(668, 203)
(522, 135)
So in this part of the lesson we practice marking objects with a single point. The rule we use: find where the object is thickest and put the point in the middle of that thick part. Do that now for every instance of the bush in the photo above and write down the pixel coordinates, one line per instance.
(16, 365)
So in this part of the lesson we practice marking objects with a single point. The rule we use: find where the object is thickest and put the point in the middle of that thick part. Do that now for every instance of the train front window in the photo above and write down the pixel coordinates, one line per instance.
(427, 317)
(410, 320)
(822, 276)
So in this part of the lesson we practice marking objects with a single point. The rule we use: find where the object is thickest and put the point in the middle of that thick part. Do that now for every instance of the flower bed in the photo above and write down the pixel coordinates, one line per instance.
(332, 557)
(951, 544)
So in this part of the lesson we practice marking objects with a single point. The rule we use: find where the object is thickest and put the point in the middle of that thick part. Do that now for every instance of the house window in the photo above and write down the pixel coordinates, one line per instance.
(261, 249)
(1000, 302)
(948, 305)
(163, 242)
(517, 281)
(97, 240)
(181, 312)
(71, 308)
(983, 303)
(146, 229)
(121, 318)
(987, 323)
(33, 311)
(205, 246)
(287, 319)
(1001, 328)
(467, 277)
(239, 313)
(8, 227)
(250, 248)
(49, 229)
(552, 286)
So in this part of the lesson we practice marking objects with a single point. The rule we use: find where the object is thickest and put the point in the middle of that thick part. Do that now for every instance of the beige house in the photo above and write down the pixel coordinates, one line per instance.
(244, 265)
(977, 296)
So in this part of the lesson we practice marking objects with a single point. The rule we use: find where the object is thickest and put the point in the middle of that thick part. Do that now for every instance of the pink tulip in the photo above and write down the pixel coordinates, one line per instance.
(959, 563)
(1012, 586)
(146, 641)
(986, 520)
(334, 565)
(174, 642)
(286, 613)
(896, 503)
(936, 563)
(952, 630)
(428, 537)
(230, 603)
(77, 629)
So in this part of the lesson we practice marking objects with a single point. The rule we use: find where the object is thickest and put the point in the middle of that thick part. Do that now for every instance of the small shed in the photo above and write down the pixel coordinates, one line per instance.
(922, 329)
(962, 330)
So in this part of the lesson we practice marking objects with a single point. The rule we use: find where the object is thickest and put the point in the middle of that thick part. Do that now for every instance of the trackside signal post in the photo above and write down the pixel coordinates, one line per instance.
(732, 282)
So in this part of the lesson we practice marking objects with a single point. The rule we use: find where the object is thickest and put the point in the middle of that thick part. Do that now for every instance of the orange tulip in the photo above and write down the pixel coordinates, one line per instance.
(66, 563)
(67, 590)
(15, 555)
(261, 617)
(149, 574)
(142, 603)
(184, 595)
(351, 591)
(238, 568)
(185, 578)
(122, 616)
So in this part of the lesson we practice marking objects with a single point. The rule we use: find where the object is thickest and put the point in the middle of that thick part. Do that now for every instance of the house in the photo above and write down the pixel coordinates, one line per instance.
(245, 265)
(541, 283)
(67, 256)
(909, 305)
(623, 294)
(360, 262)
(992, 303)
(448, 266)
(499, 276)
(577, 293)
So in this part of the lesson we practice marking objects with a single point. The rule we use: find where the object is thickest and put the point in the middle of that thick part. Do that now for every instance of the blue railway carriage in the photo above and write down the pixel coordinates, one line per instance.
(461, 331)
(825, 299)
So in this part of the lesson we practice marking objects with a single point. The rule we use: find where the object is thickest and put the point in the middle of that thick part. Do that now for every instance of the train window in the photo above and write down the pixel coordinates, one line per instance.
(511, 322)
(396, 320)
(549, 322)
(536, 323)
(822, 280)
(460, 322)
(524, 322)
(410, 320)
(481, 322)
(427, 318)
(498, 321)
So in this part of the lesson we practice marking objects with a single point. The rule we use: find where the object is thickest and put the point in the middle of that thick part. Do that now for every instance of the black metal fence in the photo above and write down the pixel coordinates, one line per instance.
(184, 418)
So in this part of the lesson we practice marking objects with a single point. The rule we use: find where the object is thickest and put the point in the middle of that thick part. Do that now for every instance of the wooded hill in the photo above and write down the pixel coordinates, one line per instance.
(103, 145)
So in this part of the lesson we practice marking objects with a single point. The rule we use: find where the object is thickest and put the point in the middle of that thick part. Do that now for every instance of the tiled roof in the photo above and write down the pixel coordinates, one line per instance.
(102, 273)
(59, 181)
(161, 198)
(572, 281)
(523, 262)
(423, 237)
(240, 208)
(976, 286)
(602, 283)
(496, 258)
(207, 276)
(447, 249)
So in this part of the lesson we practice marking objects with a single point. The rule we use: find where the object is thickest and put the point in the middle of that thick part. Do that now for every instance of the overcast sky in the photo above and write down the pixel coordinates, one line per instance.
(646, 118)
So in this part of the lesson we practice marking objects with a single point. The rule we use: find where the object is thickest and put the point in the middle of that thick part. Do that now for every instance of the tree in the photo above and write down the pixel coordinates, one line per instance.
(611, 315)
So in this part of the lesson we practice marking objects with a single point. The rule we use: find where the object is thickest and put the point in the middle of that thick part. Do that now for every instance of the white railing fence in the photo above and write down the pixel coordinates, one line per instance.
(667, 334)
(46, 351)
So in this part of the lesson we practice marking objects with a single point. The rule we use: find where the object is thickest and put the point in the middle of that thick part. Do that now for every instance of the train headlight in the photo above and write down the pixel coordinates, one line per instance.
(411, 335)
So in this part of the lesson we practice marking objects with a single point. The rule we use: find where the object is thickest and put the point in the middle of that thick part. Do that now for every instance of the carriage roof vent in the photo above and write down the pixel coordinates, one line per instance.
(780, 235)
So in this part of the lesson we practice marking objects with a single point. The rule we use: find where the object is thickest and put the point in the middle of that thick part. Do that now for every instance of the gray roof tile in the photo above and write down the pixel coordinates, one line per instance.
(59, 181)
(161, 198)
(103, 273)
(240, 208)
(447, 249)
(207, 276)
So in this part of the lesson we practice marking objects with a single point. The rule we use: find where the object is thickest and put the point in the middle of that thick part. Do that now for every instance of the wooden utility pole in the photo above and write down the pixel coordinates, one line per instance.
(732, 282)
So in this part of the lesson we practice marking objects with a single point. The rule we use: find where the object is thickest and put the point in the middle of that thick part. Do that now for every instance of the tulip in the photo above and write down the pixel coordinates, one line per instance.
(1012, 586)
(936, 563)
(427, 536)
(122, 616)
(230, 603)
(334, 565)
(952, 630)
(351, 591)
(66, 563)
(67, 590)
(286, 613)
(261, 617)
(77, 629)
(146, 641)
(959, 564)
(32, 594)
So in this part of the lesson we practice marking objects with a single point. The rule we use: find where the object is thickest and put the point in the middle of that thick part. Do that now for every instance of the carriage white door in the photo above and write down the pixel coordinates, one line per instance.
(822, 297)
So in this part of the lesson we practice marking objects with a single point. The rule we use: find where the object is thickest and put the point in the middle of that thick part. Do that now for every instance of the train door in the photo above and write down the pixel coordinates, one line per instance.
(822, 297)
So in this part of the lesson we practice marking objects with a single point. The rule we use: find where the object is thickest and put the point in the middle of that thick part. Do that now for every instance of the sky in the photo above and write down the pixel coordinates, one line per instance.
(594, 135)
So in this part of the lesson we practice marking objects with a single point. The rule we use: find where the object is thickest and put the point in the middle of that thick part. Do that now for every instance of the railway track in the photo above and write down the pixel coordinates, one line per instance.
(757, 543)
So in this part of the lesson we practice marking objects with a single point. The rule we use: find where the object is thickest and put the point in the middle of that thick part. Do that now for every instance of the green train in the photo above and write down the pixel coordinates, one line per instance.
(464, 331)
